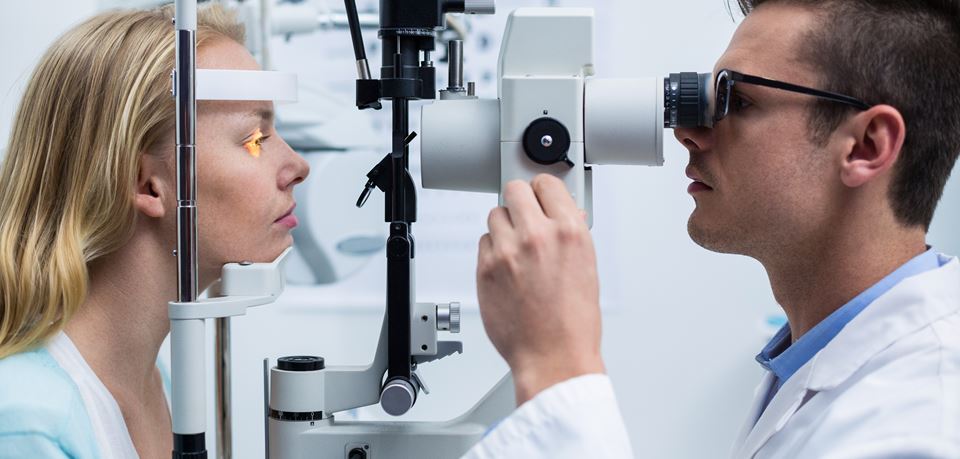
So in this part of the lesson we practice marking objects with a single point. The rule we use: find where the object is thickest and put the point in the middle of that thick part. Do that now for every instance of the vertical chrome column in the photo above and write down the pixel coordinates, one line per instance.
(187, 336)
(186, 168)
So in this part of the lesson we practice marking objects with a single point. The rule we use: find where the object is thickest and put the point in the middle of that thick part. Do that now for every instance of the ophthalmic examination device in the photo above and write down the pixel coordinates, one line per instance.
(551, 116)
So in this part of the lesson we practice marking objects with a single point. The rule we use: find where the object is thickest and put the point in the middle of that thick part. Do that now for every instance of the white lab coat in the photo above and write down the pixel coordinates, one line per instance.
(887, 386)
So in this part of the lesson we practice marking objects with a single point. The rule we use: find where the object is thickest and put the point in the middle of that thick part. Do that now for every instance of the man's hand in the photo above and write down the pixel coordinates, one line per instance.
(537, 286)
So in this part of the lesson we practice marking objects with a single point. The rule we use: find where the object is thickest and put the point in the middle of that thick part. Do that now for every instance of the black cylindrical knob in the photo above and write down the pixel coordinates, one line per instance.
(546, 141)
(300, 363)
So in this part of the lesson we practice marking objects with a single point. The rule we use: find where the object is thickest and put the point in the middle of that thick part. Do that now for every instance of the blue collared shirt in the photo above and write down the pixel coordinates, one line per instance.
(783, 359)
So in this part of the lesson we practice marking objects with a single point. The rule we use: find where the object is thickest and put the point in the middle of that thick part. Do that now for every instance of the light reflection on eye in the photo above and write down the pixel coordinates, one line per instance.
(253, 145)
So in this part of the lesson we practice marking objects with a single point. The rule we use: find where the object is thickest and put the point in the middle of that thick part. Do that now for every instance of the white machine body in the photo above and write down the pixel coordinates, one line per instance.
(533, 83)
(241, 286)
(546, 61)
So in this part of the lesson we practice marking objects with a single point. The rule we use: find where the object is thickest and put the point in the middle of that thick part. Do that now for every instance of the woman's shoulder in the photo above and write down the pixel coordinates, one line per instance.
(41, 405)
(33, 382)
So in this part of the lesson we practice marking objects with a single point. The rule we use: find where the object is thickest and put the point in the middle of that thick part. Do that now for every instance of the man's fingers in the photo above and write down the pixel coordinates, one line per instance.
(500, 223)
(485, 249)
(556, 201)
(519, 199)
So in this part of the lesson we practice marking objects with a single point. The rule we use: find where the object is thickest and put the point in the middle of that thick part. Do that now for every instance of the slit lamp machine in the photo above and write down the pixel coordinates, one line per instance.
(551, 116)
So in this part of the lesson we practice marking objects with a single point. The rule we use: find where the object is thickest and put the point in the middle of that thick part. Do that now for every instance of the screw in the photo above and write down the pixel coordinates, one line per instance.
(546, 141)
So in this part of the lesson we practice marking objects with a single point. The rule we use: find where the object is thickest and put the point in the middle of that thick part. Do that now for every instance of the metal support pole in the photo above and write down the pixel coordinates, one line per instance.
(187, 336)
(186, 165)
(223, 375)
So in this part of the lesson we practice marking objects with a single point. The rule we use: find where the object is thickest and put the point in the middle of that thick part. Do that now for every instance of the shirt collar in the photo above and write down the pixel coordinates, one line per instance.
(783, 359)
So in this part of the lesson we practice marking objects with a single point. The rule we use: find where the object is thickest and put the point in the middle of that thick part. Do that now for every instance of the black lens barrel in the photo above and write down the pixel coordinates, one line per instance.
(686, 100)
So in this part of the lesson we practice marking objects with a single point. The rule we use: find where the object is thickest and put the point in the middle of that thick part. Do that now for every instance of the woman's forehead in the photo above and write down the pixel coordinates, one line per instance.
(224, 53)
(236, 109)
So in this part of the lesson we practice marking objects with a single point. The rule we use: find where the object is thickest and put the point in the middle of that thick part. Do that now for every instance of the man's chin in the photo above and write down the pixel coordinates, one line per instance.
(710, 238)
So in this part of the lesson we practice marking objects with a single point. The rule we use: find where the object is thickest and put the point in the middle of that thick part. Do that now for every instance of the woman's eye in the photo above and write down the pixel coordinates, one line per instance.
(255, 144)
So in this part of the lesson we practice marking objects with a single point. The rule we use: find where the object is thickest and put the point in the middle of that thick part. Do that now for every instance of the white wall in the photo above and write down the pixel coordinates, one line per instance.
(31, 27)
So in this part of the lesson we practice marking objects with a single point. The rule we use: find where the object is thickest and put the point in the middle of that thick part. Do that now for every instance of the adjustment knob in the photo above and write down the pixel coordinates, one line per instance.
(398, 396)
(547, 142)
(300, 363)
(448, 317)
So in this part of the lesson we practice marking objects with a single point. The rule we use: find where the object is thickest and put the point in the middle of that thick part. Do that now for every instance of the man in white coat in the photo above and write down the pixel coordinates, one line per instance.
(837, 126)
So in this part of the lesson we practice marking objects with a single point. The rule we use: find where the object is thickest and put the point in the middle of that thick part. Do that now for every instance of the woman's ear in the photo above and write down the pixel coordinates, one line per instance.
(152, 190)
(877, 136)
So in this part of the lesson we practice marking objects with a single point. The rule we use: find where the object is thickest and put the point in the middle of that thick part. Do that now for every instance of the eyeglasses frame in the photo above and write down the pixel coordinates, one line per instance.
(732, 77)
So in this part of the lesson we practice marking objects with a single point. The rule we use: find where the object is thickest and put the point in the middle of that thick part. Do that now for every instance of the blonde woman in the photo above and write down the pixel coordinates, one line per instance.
(88, 226)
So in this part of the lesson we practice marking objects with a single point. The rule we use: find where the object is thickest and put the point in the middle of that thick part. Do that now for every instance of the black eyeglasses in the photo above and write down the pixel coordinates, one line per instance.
(727, 78)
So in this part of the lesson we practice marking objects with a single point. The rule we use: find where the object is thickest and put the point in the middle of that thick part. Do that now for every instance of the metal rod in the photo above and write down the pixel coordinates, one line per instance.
(224, 407)
(455, 64)
(356, 37)
(342, 21)
(266, 408)
(186, 167)
(187, 336)
(353, 21)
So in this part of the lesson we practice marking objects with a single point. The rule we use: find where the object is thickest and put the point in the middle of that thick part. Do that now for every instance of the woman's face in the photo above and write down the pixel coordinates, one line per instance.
(245, 173)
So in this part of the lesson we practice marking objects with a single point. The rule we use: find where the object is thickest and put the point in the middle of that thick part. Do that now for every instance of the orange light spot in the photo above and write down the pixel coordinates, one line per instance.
(253, 145)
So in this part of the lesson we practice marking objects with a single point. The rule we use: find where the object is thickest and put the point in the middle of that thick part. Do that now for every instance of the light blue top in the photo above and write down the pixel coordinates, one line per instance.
(783, 359)
(41, 412)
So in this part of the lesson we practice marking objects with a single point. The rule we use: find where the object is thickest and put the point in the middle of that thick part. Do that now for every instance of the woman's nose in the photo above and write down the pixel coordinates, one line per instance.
(294, 170)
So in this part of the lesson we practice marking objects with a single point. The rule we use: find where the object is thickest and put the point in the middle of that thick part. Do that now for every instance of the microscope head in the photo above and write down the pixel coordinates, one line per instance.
(550, 117)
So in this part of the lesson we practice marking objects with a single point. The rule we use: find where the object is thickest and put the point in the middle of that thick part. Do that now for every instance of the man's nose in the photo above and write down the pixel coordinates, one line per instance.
(695, 139)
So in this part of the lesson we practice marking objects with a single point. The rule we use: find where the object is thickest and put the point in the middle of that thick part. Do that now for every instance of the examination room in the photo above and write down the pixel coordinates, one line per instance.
(480, 229)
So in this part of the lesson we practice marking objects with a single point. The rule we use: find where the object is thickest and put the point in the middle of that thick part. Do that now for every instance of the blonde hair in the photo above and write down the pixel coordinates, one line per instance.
(98, 99)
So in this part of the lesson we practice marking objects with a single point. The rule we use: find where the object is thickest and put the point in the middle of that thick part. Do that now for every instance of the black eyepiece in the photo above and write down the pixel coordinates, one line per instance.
(686, 100)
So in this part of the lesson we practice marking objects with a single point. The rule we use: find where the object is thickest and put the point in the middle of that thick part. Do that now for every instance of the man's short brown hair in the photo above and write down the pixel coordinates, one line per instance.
(903, 53)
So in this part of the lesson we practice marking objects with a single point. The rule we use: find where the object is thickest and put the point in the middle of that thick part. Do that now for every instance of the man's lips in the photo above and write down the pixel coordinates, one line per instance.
(698, 183)
(695, 187)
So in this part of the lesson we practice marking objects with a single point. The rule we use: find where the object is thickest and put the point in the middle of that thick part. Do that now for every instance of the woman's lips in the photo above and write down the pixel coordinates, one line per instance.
(289, 220)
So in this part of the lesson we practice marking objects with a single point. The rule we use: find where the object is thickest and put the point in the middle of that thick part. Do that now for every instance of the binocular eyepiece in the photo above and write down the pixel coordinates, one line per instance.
(686, 100)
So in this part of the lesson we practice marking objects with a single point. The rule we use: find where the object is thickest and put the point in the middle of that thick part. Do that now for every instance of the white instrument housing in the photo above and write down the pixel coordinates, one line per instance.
(546, 61)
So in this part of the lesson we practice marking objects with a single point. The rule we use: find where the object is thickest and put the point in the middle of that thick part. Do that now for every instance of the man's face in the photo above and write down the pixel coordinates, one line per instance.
(769, 186)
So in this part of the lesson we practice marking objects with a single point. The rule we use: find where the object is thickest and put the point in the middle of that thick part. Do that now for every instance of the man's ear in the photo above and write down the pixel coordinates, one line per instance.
(876, 136)
(151, 189)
